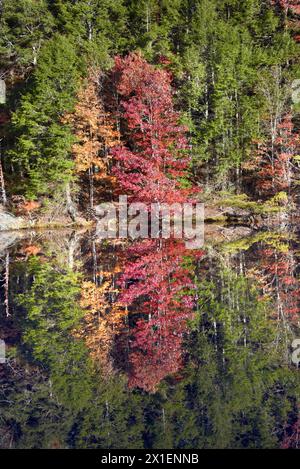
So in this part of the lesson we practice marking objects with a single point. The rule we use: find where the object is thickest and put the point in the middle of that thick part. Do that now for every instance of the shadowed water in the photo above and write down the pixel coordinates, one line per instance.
(147, 344)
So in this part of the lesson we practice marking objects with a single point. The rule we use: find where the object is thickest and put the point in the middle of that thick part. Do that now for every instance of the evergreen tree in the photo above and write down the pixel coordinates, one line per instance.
(41, 155)
(96, 27)
(25, 25)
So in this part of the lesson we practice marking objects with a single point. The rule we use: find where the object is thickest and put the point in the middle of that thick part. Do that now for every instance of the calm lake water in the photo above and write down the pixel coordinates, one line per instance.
(149, 345)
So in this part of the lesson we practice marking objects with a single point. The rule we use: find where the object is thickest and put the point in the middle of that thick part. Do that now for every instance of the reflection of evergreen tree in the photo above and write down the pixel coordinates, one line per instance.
(51, 313)
(31, 416)
(56, 398)
(114, 419)
(54, 383)
(236, 391)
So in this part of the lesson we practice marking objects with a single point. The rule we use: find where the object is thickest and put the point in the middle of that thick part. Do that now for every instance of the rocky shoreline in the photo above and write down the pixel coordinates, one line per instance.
(228, 215)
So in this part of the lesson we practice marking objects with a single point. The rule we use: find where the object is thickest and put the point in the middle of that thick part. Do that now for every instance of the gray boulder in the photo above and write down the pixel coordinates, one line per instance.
(9, 221)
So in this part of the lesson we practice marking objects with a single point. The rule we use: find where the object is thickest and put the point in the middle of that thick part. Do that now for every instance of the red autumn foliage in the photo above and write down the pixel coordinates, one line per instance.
(158, 288)
(292, 5)
(291, 438)
(277, 165)
(278, 276)
(25, 207)
(32, 250)
(151, 164)
(291, 9)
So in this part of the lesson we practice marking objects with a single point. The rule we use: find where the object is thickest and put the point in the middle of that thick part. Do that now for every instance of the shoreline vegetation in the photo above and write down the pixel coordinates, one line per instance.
(150, 342)
(160, 101)
(226, 238)
(228, 209)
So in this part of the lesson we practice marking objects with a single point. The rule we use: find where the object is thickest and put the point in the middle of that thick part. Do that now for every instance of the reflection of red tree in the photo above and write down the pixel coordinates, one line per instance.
(292, 436)
(277, 274)
(278, 166)
(160, 290)
(280, 268)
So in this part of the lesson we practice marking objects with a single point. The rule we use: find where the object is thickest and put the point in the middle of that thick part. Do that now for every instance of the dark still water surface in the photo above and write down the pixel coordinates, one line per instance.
(149, 345)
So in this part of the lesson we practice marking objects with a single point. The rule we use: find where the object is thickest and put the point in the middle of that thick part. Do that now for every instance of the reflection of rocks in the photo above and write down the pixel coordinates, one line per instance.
(238, 215)
(237, 212)
(67, 240)
(257, 215)
(235, 215)
(247, 217)
(63, 242)
(213, 213)
(8, 222)
(9, 238)
(217, 233)
(236, 232)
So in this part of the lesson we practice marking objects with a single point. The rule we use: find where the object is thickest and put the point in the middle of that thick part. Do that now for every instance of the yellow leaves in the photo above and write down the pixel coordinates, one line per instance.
(94, 129)
(93, 297)
(103, 319)
(84, 155)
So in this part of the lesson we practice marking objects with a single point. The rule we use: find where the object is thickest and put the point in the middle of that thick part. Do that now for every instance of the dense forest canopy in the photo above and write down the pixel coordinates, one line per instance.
(232, 66)
(83, 373)
(144, 343)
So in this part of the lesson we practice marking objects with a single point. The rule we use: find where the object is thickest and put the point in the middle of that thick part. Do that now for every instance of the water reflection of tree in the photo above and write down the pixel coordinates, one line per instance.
(157, 289)
(52, 394)
(236, 390)
(218, 374)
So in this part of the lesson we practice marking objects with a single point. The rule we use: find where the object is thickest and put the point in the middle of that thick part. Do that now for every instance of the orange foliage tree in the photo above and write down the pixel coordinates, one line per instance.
(95, 134)
(103, 319)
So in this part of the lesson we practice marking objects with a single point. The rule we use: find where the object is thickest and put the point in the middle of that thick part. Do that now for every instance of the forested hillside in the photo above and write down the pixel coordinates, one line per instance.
(232, 69)
(138, 341)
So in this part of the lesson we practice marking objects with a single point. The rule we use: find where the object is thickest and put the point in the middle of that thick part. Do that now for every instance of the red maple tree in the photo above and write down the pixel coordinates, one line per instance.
(278, 166)
(150, 167)
(155, 158)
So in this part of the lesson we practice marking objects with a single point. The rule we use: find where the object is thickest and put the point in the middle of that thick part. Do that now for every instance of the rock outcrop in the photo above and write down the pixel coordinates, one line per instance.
(9, 222)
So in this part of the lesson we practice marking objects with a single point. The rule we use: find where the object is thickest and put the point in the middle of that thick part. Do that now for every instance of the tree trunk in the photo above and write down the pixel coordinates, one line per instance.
(6, 285)
(71, 250)
(70, 206)
(91, 183)
(2, 182)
